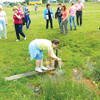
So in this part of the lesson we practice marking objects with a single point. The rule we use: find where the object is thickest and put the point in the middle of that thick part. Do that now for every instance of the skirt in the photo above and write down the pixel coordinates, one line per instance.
(34, 51)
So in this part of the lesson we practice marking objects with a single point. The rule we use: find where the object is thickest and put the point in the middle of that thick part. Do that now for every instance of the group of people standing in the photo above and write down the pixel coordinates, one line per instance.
(62, 15)
(20, 18)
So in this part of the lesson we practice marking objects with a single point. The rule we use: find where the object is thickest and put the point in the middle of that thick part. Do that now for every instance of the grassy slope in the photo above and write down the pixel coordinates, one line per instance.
(14, 57)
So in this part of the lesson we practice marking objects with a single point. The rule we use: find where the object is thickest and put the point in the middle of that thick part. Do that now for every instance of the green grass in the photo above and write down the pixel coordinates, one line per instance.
(75, 47)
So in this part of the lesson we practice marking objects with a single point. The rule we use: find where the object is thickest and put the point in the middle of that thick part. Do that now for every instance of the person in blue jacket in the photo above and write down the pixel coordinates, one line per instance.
(48, 15)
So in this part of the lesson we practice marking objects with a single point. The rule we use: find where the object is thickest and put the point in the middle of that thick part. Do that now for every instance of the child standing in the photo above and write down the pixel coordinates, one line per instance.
(72, 11)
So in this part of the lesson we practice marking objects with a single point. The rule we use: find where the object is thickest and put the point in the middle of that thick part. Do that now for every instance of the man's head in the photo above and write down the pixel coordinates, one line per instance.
(79, 1)
(25, 3)
(72, 3)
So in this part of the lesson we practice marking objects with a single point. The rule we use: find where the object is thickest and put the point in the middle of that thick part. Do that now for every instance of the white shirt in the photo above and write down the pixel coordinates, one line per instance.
(2, 15)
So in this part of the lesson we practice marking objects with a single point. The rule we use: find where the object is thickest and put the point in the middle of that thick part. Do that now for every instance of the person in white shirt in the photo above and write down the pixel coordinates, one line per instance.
(3, 22)
(36, 48)
(79, 8)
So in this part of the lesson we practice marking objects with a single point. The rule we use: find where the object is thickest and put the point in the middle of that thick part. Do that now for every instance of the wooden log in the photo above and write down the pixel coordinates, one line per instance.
(14, 77)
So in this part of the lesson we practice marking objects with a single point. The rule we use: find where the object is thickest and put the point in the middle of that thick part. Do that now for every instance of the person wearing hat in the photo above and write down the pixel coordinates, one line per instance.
(17, 16)
(3, 22)
(36, 48)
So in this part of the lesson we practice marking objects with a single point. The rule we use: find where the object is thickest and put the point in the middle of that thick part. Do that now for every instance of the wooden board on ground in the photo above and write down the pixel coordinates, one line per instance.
(26, 74)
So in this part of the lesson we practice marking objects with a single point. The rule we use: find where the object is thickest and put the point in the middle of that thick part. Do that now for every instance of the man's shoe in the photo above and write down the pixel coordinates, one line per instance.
(25, 38)
(38, 69)
(43, 68)
(17, 40)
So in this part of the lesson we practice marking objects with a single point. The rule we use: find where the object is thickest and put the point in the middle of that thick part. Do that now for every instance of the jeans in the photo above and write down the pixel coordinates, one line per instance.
(70, 20)
(79, 14)
(3, 23)
(59, 20)
(47, 22)
(28, 21)
(65, 23)
(18, 29)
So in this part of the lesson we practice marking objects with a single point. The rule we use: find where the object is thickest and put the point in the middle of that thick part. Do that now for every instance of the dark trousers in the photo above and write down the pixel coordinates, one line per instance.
(18, 29)
(79, 14)
(47, 22)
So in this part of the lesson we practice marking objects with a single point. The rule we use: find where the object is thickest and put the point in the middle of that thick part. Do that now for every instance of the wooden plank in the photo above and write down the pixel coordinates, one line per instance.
(26, 74)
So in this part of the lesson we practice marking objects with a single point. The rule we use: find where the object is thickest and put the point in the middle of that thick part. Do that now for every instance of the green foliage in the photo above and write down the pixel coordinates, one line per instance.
(44, 1)
(75, 47)
(27, 1)
(97, 69)
(64, 89)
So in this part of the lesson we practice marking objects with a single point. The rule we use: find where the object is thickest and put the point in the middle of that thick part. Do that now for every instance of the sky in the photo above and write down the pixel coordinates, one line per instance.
(12, 0)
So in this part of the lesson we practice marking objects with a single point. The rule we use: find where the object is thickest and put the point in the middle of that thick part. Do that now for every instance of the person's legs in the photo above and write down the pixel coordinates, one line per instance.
(77, 16)
(17, 31)
(1, 29)
(74, 22)
(47, 22)
(29, 21)
(61, 27)
(80, 17)
(41, 62)
(51, 23)
(26, 17)
(4, 26)
(38, 63)
(59, 21)
(70, 21)
(66, 26)
(20, 30)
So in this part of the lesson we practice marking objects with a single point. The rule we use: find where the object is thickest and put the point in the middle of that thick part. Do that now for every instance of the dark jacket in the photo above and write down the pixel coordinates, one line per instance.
(58, 13)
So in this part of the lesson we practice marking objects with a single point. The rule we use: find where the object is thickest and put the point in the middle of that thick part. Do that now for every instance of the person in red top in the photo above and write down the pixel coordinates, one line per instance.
(64, 20)
(17, 16)
(20, 10)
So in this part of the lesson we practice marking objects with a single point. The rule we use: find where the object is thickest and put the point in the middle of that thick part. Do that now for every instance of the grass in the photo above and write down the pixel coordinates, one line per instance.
(75, 47)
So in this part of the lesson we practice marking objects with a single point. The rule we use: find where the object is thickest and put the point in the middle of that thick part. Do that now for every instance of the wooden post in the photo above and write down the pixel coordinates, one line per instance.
(56, 62)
